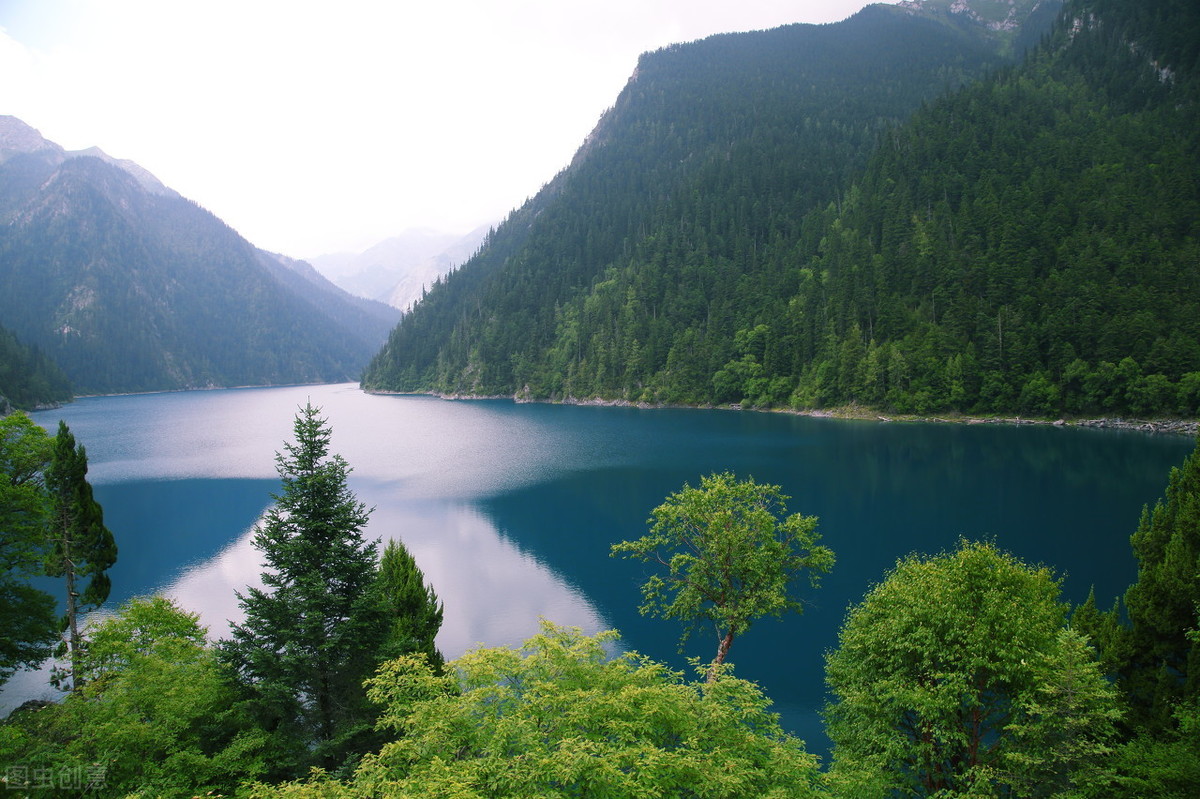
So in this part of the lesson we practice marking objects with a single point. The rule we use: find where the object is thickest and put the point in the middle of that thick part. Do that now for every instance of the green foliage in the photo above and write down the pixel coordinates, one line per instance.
(411, 606)
(560, 717)
(1153, 651)
(731, 554)
(1165, 765)
(1163, 664)
(313, 633)
(28, 620)
(82, 548)
(956, 674)
(153, 717)
(27, 377)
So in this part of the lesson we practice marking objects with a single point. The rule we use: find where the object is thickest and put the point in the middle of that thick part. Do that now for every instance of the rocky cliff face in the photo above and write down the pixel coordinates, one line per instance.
(999, 16)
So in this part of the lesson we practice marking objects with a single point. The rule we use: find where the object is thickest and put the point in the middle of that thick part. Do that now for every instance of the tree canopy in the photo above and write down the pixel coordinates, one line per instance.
(957, 673)
(28, 617)
(731, 555)
(561, 717)
(889, 227)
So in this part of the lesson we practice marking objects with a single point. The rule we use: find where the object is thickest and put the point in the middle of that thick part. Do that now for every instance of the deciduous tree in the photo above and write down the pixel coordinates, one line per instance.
(731, 555)
(956, 674)
(560, 717)
(154, 716)
(27, 614)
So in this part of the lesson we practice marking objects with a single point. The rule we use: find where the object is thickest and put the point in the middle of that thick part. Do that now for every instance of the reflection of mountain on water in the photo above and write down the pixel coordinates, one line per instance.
(569, 523)
(164, 527)
(494, 592)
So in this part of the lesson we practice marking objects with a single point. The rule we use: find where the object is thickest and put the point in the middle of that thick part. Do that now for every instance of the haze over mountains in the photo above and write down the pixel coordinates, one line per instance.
(398, 269)
(129, 287)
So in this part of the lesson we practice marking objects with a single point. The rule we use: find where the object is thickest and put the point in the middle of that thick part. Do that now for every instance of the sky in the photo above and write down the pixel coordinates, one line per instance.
(313, 128)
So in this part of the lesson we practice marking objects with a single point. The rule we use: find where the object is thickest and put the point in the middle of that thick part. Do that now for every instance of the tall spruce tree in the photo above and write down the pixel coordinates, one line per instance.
(1163, 658)
(82, 548)
(312, 634)
(411, 606)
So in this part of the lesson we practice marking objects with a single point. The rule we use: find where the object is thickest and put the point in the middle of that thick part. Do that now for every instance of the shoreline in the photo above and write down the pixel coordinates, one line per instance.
(1186, 427)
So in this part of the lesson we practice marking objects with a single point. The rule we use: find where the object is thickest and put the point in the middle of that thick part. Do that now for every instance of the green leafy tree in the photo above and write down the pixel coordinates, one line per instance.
(562, 718)
(411, 606)
(28, 620)
(956, 674)
(154, 715)
(313, 633)
(82, 547)
(731, 555)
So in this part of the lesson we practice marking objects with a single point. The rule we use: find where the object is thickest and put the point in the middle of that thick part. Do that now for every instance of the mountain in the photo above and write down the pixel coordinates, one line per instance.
(397, 270)
(684, 218)
(130, 287)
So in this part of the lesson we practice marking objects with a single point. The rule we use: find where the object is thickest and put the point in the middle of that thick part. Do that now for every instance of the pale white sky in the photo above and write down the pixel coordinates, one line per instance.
(318, 127)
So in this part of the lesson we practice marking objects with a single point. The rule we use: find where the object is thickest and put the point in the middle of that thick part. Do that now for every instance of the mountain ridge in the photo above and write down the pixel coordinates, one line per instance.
(131, 287)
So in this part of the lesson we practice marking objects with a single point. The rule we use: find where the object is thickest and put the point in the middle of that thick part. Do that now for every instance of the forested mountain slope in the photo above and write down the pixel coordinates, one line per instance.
(28, 378)
(1027, 244)
(1024, 244)
(682, 217)
(129, 287)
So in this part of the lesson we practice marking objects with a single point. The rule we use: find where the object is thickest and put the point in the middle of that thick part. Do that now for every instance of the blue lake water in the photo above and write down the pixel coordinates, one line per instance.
(510, 509)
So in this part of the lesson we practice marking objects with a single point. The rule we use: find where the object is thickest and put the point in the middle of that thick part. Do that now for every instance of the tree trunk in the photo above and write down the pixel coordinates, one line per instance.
(722, 651)
(72, 620)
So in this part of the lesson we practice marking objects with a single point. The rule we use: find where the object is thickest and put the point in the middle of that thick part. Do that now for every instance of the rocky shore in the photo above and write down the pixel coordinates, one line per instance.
(1186, 427)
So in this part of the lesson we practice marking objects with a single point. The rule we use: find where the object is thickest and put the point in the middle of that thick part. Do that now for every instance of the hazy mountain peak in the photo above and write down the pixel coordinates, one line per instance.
(17, 138)
(142, 175)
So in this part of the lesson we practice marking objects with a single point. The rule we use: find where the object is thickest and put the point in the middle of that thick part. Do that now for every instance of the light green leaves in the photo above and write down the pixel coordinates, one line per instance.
(562, 717)
(956, 673)
(730, 554)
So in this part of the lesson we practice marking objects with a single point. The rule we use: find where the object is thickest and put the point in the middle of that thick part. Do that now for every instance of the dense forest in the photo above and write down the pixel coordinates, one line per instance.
(747, 226)
(28, 379)
(131, 289)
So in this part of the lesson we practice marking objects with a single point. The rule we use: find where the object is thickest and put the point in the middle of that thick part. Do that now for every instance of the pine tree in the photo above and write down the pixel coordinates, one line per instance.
(1163, 659)
(82, 547)
(313, 633)
(411, 605)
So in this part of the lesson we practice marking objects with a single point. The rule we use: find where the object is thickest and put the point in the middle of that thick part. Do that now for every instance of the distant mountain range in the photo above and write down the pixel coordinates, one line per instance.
(979, 206)
(399, 269)
(128, 286)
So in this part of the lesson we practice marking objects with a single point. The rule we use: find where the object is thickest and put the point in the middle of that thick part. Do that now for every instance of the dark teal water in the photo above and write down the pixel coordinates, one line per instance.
(511, 509)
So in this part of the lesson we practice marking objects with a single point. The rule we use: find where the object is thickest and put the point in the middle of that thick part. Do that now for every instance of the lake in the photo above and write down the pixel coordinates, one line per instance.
(510, 509)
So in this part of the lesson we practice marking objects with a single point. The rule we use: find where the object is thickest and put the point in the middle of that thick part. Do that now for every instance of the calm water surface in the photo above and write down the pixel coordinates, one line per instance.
(510, 509)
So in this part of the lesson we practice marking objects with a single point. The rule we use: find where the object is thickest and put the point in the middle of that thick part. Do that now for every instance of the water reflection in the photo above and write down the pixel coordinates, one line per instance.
(496, 591)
